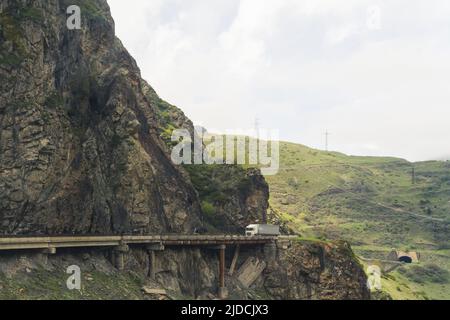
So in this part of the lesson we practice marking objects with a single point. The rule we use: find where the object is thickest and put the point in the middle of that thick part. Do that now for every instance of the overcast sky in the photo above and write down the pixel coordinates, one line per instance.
(375, 74)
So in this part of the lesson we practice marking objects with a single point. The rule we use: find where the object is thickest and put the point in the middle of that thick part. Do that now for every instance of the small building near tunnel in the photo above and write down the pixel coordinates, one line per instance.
(403, 256)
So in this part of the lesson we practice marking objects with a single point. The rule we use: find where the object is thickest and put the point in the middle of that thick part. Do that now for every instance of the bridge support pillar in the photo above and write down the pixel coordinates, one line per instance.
(119, 256)
(45, 253)
(222, 294)
(234, 261)
(270, 253)
(49, 251)
(151, 248)
(152, 264)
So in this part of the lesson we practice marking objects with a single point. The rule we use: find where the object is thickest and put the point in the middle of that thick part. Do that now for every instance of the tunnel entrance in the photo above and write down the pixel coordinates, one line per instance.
(405, 259)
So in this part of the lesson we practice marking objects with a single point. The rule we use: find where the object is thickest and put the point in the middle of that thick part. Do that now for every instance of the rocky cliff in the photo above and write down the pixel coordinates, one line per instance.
(316, 270)
(307, 270)
(84, 149)
(79, 145)
(82, 134)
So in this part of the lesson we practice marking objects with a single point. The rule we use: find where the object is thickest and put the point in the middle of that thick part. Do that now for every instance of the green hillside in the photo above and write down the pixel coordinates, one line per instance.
(375, 204)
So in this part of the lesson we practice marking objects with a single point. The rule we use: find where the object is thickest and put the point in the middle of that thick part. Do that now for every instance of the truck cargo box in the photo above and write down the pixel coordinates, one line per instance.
(262, 230)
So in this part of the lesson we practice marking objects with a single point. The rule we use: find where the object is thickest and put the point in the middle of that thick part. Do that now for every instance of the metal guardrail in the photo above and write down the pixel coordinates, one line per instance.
(19, 243)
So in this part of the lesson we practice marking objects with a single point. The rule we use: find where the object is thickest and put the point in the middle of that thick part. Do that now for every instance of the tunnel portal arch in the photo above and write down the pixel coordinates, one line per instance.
(405, 259)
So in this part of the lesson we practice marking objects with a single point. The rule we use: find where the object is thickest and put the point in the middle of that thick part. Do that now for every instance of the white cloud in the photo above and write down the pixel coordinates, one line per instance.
(380, 84)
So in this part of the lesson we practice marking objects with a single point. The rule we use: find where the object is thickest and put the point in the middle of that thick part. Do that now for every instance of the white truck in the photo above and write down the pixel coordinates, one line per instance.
(262, 230)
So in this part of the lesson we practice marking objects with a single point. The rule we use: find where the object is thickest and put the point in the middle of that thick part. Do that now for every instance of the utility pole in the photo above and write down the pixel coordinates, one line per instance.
(257, 138)
(413, 175)
(327, 134)
(257, 127)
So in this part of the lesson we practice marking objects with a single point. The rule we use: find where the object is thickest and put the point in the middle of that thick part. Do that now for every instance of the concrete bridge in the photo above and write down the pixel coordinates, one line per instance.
(120, 246)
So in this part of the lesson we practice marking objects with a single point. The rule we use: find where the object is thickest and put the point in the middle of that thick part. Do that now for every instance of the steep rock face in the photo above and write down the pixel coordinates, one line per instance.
(318, 271)
(306, 270)
(79, 145)
(232, 197)
(81, 134)
(251, 199)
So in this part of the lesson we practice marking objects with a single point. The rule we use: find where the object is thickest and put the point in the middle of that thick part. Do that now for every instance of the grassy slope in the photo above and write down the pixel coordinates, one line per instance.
(42, 284)
(372, 203)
